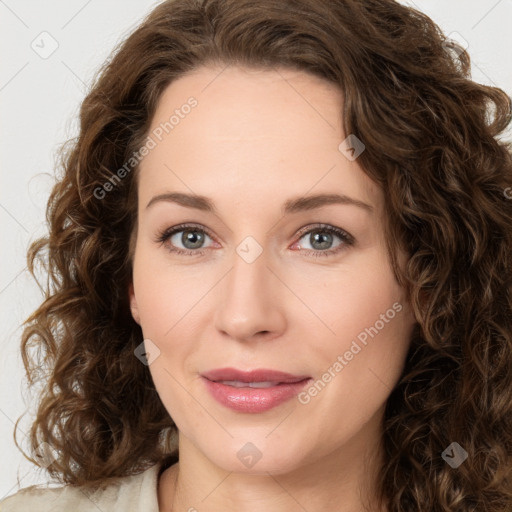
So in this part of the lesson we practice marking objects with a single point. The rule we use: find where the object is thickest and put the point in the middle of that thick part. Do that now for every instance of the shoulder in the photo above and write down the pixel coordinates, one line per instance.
(135, 493)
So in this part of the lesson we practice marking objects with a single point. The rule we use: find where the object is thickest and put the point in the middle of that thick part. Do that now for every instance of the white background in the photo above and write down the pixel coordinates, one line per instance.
(39, 101)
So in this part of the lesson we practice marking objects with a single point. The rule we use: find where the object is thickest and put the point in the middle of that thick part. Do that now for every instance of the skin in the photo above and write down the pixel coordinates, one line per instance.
(256, 139)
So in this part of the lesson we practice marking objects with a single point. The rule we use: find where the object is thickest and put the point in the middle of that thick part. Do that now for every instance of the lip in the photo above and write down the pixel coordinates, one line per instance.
(253, 400)
(257, 375)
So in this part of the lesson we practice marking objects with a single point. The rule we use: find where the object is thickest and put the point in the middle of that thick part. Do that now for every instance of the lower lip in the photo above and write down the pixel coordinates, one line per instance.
(253, 400)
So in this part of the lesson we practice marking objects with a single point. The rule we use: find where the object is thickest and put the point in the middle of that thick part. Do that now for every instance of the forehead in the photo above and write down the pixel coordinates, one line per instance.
(242, 103)
(265, 131)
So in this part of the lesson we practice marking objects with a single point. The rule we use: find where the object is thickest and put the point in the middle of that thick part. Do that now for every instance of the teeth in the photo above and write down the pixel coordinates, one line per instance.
(238, 384)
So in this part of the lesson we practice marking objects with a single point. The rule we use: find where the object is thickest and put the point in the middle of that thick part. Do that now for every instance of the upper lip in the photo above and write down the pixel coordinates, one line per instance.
(257, 375)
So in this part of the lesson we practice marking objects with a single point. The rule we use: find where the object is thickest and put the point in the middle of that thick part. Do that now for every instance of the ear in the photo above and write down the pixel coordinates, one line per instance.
(133, 304)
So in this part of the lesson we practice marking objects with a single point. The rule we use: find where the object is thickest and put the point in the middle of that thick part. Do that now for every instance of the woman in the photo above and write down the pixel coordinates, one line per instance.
(280, 256)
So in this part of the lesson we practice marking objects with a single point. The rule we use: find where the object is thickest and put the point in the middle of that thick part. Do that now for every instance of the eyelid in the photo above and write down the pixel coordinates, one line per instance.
(166, 233)
(318, 226)
(347, 239)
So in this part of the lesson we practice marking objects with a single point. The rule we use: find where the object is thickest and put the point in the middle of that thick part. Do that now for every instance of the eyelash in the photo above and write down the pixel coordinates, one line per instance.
(347, 239)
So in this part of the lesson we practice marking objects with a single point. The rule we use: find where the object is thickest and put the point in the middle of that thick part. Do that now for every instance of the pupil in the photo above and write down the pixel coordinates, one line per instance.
(189, 236)
(325, 244)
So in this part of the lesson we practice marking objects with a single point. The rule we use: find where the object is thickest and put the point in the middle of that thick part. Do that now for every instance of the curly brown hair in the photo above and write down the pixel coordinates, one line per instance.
(431, 144)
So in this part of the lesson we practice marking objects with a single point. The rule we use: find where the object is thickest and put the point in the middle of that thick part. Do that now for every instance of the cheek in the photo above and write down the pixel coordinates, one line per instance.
(353, 299)
(165, 300)
(161, 298)
(359, 365)
(360, 355)
(374, 345)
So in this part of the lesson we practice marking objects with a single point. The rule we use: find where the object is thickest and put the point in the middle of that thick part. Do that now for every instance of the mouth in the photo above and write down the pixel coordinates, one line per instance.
(239, 384)
(254, 391)
(265, 377)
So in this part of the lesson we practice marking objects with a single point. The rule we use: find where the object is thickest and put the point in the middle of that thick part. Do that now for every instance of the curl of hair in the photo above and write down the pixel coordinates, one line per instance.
(431, 137)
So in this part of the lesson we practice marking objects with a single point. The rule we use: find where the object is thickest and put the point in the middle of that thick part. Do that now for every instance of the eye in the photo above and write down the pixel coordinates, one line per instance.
(321, 238)
(193, 237)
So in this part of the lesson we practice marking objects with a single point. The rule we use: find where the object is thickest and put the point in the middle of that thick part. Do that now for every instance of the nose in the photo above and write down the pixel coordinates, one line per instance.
(251, 300)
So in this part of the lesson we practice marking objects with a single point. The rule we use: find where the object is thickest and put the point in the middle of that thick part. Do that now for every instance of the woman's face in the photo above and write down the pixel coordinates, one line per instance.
(265, 282)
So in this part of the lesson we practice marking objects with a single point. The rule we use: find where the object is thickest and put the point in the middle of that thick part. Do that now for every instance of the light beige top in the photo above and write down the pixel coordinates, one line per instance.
(136, 493)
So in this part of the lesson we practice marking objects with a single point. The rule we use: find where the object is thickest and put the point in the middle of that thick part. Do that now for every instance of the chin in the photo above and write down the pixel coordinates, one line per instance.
(257, 455)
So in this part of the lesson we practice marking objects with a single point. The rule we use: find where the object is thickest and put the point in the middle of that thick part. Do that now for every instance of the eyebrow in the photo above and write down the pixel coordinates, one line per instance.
(294, 205)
